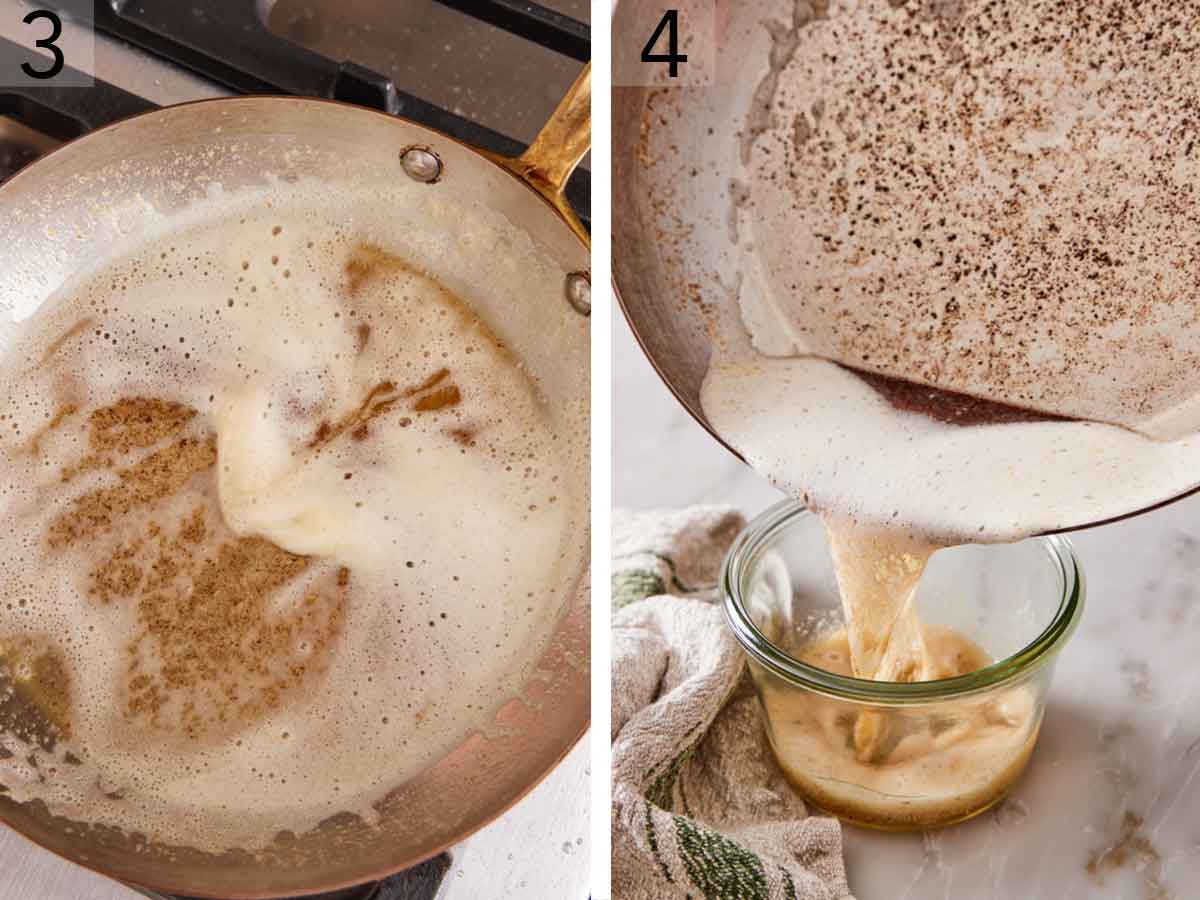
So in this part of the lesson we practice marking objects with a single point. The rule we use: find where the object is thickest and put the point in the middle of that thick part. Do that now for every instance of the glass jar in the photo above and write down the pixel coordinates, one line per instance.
(944, 750)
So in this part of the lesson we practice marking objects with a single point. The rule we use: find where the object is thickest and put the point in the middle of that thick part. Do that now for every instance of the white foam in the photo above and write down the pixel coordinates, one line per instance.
(821, 433)
(463, 529)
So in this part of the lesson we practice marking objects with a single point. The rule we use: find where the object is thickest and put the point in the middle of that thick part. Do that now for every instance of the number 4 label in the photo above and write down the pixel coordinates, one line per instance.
(649, 40)
(670, 24)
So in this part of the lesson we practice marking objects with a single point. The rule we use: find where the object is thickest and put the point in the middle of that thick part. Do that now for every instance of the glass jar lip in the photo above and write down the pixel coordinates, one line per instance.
(764, 527)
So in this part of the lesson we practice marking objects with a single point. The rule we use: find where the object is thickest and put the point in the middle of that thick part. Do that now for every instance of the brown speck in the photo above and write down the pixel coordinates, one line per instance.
(434, 379)
(439, 399)
(367, 261)
(464, 436)
(379, 400)
(63, 413)
(57, 344)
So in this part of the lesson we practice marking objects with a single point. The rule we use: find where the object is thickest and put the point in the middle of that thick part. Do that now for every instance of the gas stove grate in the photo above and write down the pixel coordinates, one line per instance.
(259, 61)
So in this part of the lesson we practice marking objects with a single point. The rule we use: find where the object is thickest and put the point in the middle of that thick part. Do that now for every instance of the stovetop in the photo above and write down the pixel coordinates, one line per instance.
(488, 72)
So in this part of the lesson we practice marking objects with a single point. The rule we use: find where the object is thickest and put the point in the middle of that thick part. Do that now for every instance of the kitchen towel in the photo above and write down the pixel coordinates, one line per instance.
(700, 808)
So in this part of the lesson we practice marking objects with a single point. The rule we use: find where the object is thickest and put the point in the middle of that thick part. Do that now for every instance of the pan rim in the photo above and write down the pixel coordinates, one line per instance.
(250, 99)
(167, 888)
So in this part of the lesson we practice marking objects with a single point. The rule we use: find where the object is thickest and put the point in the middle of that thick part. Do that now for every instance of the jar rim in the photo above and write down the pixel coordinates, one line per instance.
(759, 534)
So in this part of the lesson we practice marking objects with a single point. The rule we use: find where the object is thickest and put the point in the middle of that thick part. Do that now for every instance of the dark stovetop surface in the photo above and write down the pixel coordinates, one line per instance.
(500, 64)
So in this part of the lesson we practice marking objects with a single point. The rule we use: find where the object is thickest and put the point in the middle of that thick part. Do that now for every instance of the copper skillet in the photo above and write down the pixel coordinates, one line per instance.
(677, 256)
(58, 213)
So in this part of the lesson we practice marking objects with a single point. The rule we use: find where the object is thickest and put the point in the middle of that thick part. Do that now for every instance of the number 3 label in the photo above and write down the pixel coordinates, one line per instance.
(48, 47)
(46, 43)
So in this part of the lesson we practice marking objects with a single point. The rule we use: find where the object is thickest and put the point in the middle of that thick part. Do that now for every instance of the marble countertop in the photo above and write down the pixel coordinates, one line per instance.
(1110, 805)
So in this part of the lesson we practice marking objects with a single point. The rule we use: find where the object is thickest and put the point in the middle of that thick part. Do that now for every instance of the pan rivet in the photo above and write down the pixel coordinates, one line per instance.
(421, 164)
(579, 292)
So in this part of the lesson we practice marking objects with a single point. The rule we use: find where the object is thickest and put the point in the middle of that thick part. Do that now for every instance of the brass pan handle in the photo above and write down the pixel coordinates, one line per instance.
(549, 161)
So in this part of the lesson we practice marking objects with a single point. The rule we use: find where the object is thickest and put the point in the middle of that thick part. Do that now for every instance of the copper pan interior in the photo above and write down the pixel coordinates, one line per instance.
(57, 215)
(679, 258)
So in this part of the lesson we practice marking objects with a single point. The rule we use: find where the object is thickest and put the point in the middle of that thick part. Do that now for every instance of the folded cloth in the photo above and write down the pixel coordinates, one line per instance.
(700, 808)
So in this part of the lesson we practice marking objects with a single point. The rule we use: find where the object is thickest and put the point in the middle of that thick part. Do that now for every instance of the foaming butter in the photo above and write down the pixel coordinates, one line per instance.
(896, 768)
(287, 519)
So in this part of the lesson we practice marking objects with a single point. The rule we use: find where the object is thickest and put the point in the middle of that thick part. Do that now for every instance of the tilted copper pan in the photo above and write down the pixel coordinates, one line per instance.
(678, 185)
